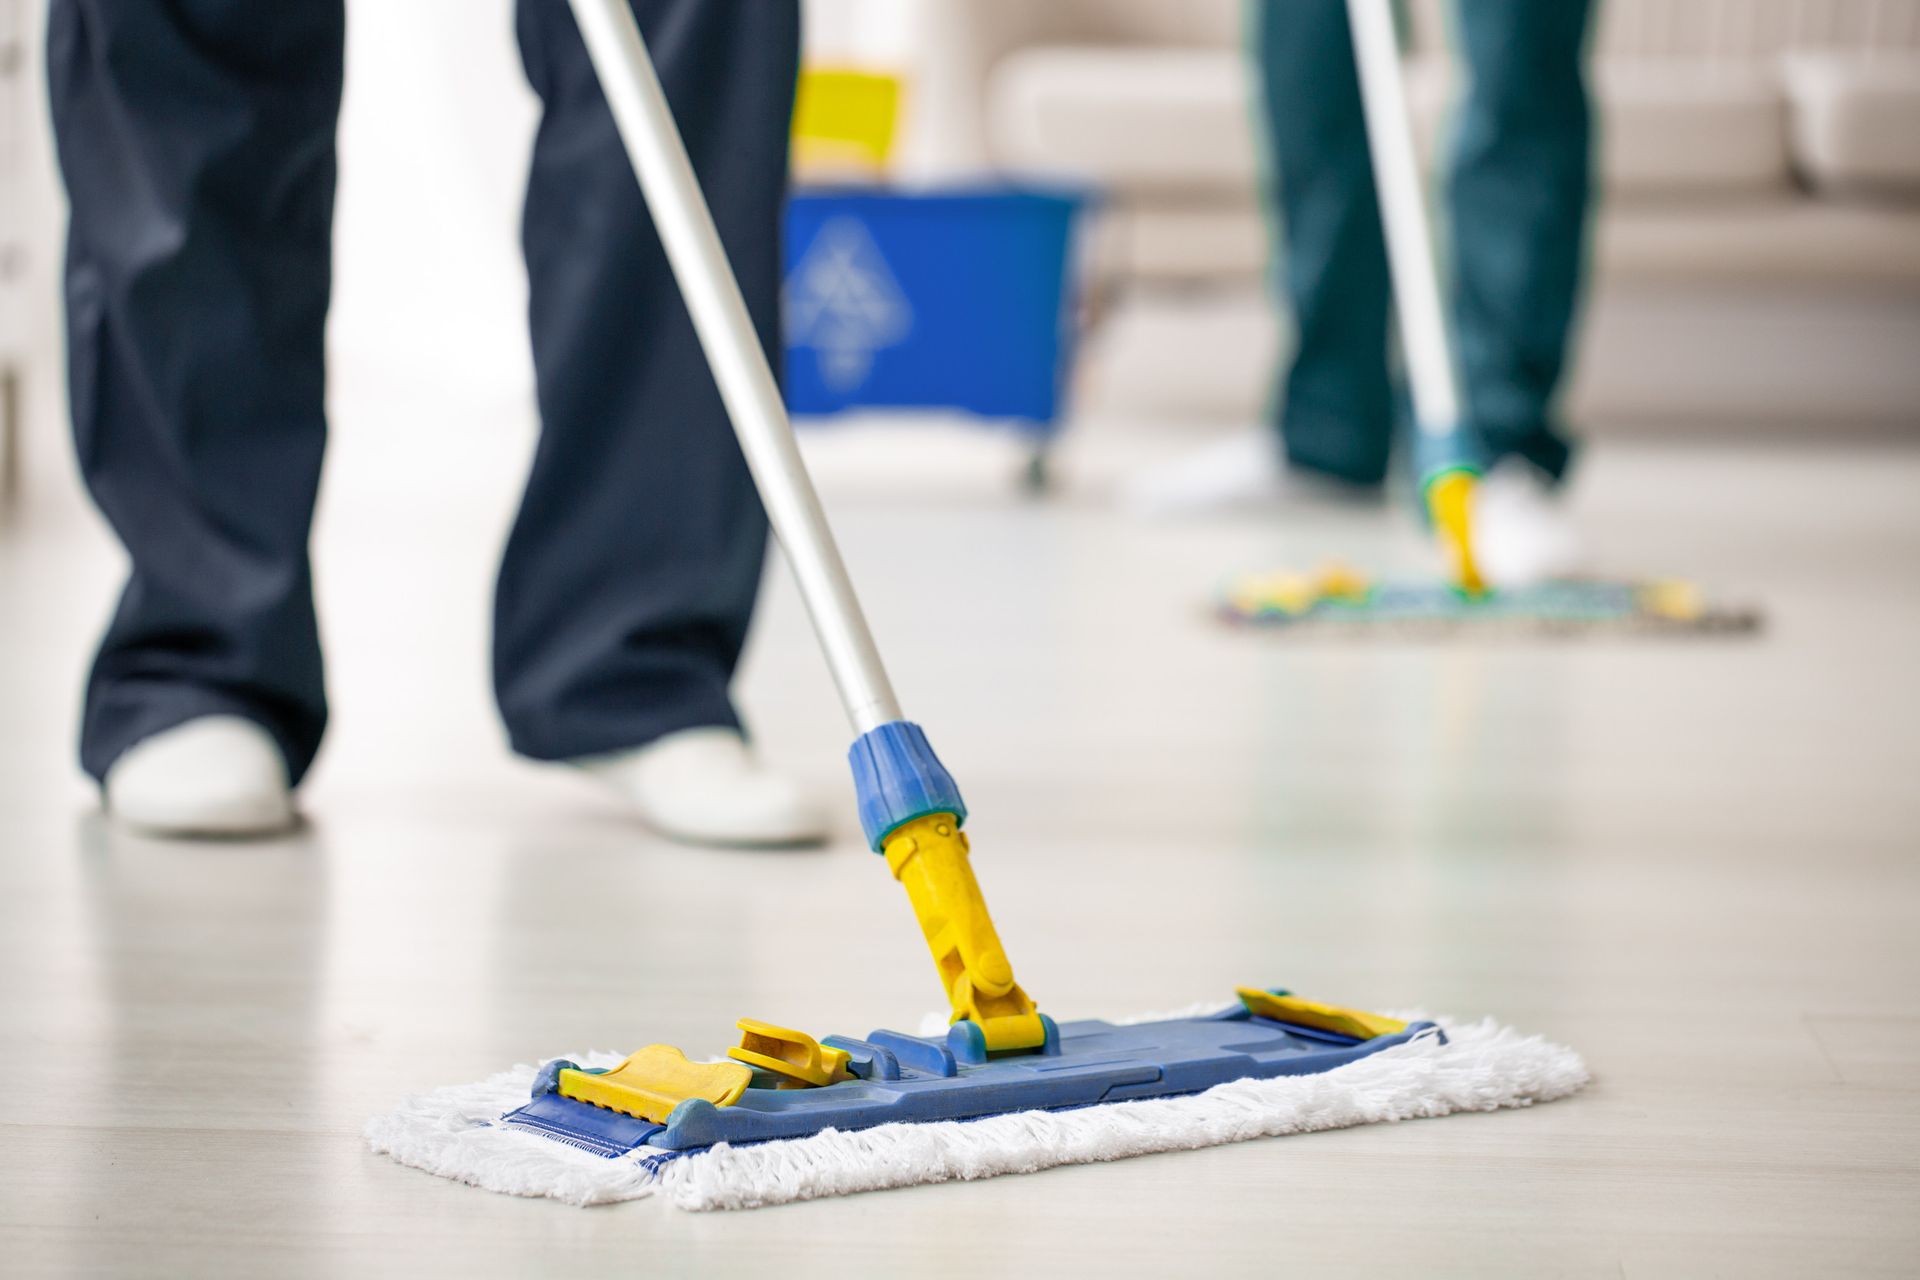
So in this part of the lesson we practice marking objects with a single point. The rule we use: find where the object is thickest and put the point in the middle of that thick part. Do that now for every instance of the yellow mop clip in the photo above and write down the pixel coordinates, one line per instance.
(652, 1081)
(1450, 501)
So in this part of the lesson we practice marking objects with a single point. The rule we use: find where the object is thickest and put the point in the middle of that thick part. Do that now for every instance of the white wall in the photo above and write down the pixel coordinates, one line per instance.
(434, 137)
(37, 215)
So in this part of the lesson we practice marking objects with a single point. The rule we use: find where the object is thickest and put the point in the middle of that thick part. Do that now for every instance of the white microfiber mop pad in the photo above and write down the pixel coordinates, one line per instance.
(455, 1133)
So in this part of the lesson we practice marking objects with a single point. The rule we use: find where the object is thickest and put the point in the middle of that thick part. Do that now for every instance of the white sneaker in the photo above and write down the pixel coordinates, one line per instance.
(215, 776)
(1243, 472)
(703, 786)
(1521, 532)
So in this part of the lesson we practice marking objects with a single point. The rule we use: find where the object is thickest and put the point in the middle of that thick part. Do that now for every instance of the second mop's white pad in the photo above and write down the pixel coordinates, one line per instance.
(455, 1132)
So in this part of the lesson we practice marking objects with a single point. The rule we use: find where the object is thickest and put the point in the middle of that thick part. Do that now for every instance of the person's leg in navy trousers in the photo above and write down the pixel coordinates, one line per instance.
(196, 139)
(631, 571)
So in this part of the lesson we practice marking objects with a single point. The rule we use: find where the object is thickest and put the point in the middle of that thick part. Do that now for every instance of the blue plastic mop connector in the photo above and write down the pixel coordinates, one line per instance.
(1436, 453)
(898, 778)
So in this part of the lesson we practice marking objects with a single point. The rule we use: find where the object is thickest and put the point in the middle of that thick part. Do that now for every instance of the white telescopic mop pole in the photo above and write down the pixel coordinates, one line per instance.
(746, 382)
(1424, 337)
(1403, 214)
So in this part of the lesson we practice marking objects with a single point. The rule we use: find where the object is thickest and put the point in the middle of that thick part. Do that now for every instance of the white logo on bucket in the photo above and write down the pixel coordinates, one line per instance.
(844, 302)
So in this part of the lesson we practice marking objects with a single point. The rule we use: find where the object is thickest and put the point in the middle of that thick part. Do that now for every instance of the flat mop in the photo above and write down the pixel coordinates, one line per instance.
(1004, 1087)
(1445, 457)
(1334, 601)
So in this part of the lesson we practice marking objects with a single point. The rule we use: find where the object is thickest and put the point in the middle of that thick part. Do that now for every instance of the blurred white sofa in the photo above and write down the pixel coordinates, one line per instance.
(1757, 253)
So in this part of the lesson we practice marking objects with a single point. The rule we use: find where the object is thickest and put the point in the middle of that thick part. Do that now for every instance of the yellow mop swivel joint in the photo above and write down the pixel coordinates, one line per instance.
(928, 856)
(911, 811)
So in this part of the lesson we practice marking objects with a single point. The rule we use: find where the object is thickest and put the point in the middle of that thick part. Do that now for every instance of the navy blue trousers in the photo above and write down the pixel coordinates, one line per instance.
(1516, 202)
(196, 138)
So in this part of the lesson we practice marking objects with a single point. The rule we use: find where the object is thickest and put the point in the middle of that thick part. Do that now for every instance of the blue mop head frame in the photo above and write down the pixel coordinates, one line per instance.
(912, 1079)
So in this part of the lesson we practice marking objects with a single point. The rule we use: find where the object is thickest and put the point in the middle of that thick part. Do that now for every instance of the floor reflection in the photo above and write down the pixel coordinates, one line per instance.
(199, 966)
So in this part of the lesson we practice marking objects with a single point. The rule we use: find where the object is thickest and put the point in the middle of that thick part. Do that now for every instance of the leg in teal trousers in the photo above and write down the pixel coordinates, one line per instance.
(1516, 198)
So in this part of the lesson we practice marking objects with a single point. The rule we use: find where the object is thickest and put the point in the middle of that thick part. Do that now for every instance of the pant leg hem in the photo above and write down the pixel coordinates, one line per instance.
(557, 744)
(1366, 473)
(100, 750)
(1541, 447)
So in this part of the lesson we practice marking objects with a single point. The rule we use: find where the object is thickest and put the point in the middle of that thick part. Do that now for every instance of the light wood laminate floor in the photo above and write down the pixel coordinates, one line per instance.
(1697, 863)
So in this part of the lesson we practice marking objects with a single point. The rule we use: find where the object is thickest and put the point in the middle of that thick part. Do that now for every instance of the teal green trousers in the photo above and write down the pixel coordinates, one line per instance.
(1516, 192)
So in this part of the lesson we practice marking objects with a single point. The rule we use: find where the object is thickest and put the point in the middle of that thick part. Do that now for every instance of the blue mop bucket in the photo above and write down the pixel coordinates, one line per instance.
(947, 300)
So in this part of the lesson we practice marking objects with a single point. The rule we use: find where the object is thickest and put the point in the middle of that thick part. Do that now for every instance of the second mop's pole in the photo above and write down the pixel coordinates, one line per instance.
(1445, 461)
